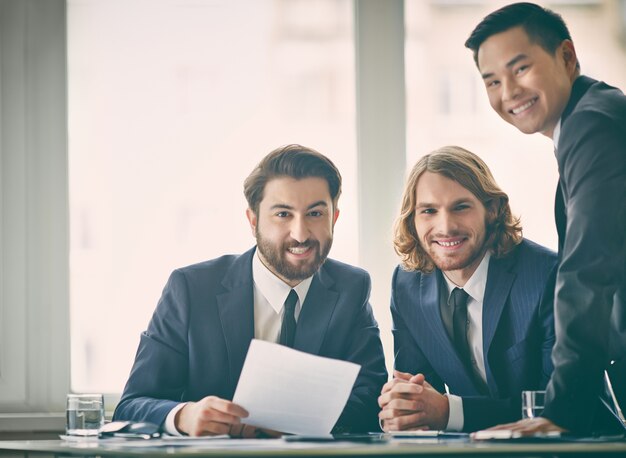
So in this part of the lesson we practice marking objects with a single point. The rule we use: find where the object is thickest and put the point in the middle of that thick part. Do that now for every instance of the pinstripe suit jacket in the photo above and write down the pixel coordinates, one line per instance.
(518, 334)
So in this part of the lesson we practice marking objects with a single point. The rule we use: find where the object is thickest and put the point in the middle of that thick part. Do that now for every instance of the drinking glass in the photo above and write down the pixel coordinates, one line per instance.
(84, 414)
(533, 403)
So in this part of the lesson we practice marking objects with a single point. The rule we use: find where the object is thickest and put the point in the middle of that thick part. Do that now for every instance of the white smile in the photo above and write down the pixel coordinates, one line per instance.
(298, 250)
(448, 244)
(524, 107)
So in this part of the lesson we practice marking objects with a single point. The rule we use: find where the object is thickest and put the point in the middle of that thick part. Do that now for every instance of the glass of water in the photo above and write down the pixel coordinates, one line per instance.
(84, 414)
(533, 403)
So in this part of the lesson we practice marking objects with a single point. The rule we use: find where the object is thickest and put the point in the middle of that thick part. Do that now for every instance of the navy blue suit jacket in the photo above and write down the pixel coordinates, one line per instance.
(199, 335)
(518, 334)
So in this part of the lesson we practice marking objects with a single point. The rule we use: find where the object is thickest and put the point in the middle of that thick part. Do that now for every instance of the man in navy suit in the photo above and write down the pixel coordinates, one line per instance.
(284, 290)
(471, 325)
(532, 75)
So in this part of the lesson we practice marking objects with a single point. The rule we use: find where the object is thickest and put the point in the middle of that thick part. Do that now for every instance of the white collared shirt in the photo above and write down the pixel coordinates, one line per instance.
(270, 293)
(475, 288)
(556, 135)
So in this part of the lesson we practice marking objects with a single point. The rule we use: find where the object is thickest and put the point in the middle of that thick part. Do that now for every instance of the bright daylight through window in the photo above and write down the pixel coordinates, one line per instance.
(171, 104)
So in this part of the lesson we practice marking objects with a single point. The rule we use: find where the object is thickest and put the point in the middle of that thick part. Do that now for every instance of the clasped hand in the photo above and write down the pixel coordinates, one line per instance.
(409, 402)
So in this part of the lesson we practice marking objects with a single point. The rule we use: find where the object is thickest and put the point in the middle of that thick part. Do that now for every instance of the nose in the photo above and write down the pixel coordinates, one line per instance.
(446, 223)
(299, 229)
(510, 89)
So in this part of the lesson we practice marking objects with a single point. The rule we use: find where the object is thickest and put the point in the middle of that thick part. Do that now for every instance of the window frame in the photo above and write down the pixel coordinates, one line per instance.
(34, 270)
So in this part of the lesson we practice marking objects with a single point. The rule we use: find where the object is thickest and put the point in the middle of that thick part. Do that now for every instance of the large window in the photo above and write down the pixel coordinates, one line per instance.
(171, 104)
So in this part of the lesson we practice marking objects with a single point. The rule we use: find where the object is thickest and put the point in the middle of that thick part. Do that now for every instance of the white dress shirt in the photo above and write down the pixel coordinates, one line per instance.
(556, 134)
(475, 288)
(270, 293)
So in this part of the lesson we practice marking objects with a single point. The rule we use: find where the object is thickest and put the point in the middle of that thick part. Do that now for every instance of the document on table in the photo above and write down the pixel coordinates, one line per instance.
(293, 392)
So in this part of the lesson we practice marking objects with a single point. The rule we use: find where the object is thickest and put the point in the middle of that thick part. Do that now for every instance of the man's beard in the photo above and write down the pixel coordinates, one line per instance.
(445, 264)
(449, 263)
(276, 257)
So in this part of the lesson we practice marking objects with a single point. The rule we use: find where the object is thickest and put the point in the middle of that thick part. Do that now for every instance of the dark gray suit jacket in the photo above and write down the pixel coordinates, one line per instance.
(518, 334)
(199, 335)
(590, 210)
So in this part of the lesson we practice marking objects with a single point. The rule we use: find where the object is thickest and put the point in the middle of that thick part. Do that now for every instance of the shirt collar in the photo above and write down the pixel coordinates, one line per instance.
(475, 286)
(556, 135)
(273, 288)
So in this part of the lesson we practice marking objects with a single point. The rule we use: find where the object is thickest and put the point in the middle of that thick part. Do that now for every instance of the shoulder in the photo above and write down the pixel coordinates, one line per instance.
(603, 98)
(340, 270)
(593, 104)
(408, 280)
(533, 258)
(532, 250)
(214, 270)
(592, 96)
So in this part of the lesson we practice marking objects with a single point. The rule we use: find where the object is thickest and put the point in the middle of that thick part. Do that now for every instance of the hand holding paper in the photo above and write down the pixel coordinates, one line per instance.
(294, 392)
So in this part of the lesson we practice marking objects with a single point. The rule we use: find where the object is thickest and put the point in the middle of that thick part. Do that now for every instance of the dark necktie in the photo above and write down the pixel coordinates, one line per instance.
(459, 324)
(288, 327)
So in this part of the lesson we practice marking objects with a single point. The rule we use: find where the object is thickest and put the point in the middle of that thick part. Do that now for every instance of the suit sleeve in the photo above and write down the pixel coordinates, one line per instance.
(408, 355)
(361, 411)
(546, 320)
(593, 178)
(158, 379)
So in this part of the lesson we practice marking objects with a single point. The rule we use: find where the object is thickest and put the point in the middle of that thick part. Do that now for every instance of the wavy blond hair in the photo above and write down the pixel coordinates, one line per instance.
(504, 231)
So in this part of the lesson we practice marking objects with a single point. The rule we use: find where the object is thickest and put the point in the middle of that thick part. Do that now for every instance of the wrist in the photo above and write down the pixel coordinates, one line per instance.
(446, 411)
(180, 419)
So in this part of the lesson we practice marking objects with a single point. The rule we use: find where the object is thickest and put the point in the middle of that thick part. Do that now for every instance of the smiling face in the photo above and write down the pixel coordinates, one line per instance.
(527, 86)
(450, 223)
(294, 227)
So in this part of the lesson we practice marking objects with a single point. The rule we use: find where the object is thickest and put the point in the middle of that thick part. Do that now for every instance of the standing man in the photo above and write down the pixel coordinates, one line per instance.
(469, 315)
(527, 60)
(283, 290)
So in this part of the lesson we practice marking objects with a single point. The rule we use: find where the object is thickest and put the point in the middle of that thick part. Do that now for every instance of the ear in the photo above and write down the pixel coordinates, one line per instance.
(335, 216)
(252, 219)
(569, 56)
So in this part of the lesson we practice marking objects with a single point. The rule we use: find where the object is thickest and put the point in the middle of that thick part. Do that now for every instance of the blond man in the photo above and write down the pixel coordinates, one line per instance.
(472, 327)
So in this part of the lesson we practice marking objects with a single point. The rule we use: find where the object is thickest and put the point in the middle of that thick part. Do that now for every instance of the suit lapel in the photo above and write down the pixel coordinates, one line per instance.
(560, 216)
(317, 310)
(236, 309)
(499, 283)
(429, 332)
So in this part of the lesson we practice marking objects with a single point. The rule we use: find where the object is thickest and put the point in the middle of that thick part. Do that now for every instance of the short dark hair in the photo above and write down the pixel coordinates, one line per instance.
(543, 26)
(295, 161)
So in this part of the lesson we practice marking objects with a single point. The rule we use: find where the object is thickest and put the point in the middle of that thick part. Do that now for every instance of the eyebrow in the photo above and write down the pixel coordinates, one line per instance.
(431, 205)
(509, 64)
(319, 203)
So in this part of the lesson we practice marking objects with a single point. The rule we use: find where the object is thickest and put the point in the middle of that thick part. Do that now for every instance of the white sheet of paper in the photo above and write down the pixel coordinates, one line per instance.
(293, 392)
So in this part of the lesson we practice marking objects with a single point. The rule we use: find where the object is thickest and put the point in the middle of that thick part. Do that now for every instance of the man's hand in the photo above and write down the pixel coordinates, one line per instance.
(530, 426)
(209, 416)
(409, 402)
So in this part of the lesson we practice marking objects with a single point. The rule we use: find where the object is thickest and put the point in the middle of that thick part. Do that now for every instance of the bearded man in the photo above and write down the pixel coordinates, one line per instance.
(471, 323)
(283, 290)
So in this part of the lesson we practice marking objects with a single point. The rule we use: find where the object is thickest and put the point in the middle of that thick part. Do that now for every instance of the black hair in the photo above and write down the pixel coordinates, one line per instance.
(543, 26)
